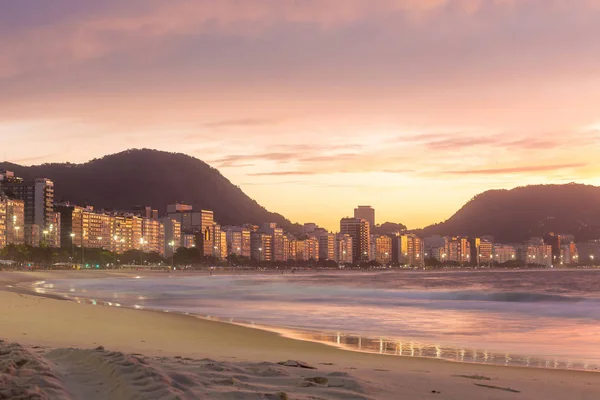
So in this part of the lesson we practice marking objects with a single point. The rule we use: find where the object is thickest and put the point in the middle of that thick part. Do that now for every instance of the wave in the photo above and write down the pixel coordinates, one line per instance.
(513, 297)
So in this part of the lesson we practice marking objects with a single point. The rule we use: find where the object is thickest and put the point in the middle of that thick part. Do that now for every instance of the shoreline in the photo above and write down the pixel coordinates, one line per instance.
(24, 286)
(173, 343)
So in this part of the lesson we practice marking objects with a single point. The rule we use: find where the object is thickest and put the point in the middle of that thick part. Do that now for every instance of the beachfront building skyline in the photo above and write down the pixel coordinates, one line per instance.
(139, 228)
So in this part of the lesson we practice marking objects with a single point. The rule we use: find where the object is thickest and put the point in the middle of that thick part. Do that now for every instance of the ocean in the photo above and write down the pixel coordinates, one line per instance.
(542, 318)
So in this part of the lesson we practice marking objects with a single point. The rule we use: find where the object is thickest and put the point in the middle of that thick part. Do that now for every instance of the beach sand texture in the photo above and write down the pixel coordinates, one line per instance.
(56, 349)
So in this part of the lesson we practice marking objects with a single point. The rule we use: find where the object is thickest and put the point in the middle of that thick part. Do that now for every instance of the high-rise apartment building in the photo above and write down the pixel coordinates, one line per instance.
(359, 231)
(219, 252)
(502, 253)
(435, 247)
(343, 249)
(276, 240)
(383, 249)
(128, 232)
(306, 249)
(38, 198)
(238, 240)
(408, 249)
(481, 251)
(292, 247)
(261, 246)
(366, 212)
(327, 244)
(535, 254)
(457, 250)
(172, 235)
(15, 218)
(153, 236)
(200, 223)
(52, 234)
(202, 227)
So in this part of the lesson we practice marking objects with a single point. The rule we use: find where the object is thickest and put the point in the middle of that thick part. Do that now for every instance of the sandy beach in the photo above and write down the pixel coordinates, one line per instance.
(55, 349)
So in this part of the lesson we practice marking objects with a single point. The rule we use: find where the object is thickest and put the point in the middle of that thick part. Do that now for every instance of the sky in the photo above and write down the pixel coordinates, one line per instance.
(314, 106)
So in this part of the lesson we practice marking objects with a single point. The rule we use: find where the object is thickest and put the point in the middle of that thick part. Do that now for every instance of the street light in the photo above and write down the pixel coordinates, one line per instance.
(72, 235)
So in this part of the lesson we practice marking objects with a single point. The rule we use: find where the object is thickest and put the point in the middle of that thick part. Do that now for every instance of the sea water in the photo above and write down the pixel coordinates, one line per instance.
(547, 318)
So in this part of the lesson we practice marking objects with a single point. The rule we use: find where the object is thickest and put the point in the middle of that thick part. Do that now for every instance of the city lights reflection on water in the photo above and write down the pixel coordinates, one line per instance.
(416, 349)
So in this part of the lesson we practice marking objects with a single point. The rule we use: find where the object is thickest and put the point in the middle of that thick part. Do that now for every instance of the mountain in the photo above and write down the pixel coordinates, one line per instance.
(153, 178)
(518, 214)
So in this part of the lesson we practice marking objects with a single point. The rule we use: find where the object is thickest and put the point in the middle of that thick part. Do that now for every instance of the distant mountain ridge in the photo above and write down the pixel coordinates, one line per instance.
(516, 215)
(154, 178)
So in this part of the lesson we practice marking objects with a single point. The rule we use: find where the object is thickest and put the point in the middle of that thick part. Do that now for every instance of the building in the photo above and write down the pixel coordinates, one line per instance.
(482, 251)
(503, 253)
(276, 240)
(220, 243)
(142, 211)
(172, 235)
(261, 246)
(52, 234)
(343, 249)
(554, 241)
(202, 227)
(292, 247)
(223, 246)
(383, 249)
(360, 232)
(238, 240)
(457, 250)
(128, 232)
(589, 252)
(309, 228)
(38, 198)
(11, 221)
(15, 219)
(153, 236)
(535, 254)
(312, 248)
(200, 223)
(306, 249)
(407, 249)
(326, 244)
(435, 247)
(569, 254)
(367, 213)
(188, 240)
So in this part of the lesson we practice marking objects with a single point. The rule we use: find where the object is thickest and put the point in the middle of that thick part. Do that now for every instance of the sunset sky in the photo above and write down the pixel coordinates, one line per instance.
(314, 106)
